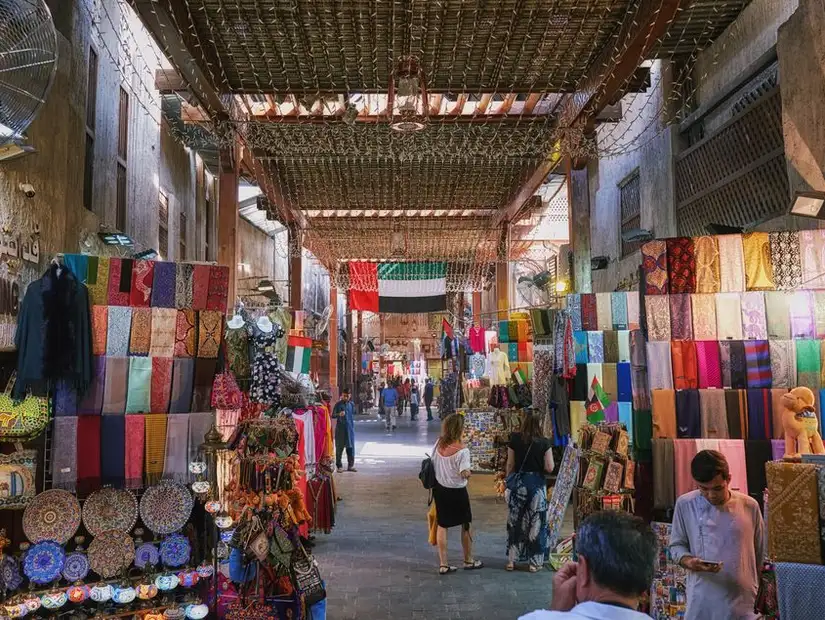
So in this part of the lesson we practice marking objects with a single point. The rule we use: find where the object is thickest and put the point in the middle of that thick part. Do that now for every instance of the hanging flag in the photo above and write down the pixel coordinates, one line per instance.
(598, 392)
(298, 352)
(594, 410)
(398, 287)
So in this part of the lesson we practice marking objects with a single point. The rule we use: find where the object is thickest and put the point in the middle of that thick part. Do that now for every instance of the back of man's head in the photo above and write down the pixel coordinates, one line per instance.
(620, 550)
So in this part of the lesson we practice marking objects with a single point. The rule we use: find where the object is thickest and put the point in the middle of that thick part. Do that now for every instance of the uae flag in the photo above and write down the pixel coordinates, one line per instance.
(298, 352)
(398, 287)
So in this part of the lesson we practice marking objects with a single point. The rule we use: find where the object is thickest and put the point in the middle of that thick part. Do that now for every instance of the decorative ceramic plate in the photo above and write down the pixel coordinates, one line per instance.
(166, 507)
(175, 550)
(52, 515)
(76, 567)
(44, 562)
(10, 573)
(146, 555)
(111, 552)
(110, 509)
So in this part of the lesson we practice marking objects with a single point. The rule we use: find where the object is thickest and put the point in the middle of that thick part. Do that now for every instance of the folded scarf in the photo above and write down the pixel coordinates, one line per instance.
(204, 377)
(135, 441)
(754, 321)
(574, 307)
(604, 311)
(664, 493)
(738, 365)
(802, 315)
(118, 332)
(589, 312)
(176, 458)
(184, 282)
(611, 346)
(140, 385)
(116, 295)
(92, 402)
(819, 314)
(778, 313)
(210, 324)
(161, 385)
(183, 375)
(78, 264)
(713, 414)
(683, 452)
(724, 363)
(580, 346)
(143, 274)
(610, 381)
(756, 247)
(199, 424)
(703, 315)
(200, 287)
(664, 413)
(113, 450)
(116, 382)
(688, 416)
(65, 399)
(163, 285)
(758, 362)
(760, 417)
(812, 250)
(685, 367)
(99, 288)
(155, 446)
(708, 364)
(503, 332)
(681, 265)
(777, 409)
(734, 452)
(623, 339)
(707, 264)
(595, 347)
(88, 453)
(638, 370)
(618, 310)
(808, 364)
(659, 366)
(218, 290)
(736, 408)
(100, 329)
(580, 385)
(731, 263)
(140, 339)
(681, 322)
(799, 589)
(64, 454)
(657, 311)
(786, 260)
(624, 382)
(757, 454)
(633, 310)
(729, 316)
(642, 430)
(164, 327)
(185, 333)
(655, 267)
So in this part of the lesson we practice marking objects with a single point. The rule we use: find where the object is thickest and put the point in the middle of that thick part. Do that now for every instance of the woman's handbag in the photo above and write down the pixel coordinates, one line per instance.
(24, 420)
(307, 577)
(512, 480)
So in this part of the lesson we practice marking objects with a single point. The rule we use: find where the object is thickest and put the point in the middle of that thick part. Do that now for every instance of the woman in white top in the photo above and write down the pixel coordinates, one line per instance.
(451, 461)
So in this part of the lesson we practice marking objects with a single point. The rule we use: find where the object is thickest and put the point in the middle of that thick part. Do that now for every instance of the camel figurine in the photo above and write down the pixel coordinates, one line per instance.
(800, 424)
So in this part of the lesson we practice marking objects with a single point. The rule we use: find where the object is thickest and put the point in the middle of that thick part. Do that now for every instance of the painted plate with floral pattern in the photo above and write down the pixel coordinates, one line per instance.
(147, 555)
(165, 508)
(52, 515)
(175, 550)
(111, 552)
(76, 567)
(10, 573)
(44, 562)
(110, 509)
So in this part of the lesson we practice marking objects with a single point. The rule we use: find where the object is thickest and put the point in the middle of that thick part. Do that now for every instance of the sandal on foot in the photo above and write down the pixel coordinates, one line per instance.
(474, 565)
(443, 570)
(510, 567)
(534, 569)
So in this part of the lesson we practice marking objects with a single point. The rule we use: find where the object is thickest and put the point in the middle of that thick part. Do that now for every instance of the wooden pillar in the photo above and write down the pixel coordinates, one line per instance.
(332, 330)
(477, 308)
(296, 287)
(503, 274)
(578, 188)
(228, 218)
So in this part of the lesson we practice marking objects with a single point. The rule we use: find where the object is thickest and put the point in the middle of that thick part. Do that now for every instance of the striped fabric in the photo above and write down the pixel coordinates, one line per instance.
(758, 362)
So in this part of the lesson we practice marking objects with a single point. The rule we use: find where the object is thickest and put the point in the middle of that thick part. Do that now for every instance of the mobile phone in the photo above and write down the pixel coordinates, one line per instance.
(712, 564)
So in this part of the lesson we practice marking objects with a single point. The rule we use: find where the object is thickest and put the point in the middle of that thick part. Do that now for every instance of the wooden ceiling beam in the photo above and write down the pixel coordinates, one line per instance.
(531, 103)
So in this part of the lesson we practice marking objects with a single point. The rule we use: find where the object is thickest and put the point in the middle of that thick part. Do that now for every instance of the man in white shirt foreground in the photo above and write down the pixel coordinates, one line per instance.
(616, 554)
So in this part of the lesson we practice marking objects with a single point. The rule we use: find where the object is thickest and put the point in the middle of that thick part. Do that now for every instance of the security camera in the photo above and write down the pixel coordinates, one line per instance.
(28, 190)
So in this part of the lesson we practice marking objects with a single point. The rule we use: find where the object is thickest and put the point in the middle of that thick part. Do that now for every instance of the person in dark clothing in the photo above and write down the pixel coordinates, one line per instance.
(415, 401)
(428, 398)
(344, 432)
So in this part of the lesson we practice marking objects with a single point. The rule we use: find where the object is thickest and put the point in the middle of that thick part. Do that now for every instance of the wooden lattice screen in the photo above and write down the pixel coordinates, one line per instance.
(736, 176)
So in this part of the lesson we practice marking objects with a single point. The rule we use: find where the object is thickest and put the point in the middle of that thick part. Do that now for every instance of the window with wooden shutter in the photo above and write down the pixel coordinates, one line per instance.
(123, 126)
(182, 238)
(630, 206)
(163, 226)
(91, 115)
(121, 198)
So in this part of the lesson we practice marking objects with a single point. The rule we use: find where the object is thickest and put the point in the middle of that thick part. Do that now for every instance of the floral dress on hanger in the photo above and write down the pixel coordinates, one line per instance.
(266, 372)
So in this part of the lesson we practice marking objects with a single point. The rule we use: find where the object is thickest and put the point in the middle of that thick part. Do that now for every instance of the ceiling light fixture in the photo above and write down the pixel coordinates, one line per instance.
(808, 204)
(407, 97)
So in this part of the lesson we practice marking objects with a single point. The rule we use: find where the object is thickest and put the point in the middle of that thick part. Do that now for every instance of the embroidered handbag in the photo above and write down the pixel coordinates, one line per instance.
(25, 420)
(308, 578)
(225, 391)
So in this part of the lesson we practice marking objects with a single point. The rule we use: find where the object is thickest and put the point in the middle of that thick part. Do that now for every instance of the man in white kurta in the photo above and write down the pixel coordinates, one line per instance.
(718, 536)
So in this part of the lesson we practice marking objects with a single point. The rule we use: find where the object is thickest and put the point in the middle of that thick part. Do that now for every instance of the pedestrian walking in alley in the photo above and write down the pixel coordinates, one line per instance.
(451, 461)
(415, 398)
(428, 398)
(344, 413)
(389, 396)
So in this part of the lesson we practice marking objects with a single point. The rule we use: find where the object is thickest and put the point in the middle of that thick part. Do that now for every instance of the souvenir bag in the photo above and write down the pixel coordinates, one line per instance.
(512, 480)
(24, 420)
(307, 577)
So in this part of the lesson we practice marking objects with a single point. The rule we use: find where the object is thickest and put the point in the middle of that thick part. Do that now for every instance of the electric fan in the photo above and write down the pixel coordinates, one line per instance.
(28, 61)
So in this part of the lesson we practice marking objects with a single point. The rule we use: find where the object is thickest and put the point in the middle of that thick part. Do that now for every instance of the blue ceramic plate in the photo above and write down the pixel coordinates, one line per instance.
(175, 550)
(146, 555)
(44, 562)
(76, 567)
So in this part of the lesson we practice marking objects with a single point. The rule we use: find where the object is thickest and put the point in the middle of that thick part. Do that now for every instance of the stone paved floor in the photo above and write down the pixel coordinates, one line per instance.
(377, 562)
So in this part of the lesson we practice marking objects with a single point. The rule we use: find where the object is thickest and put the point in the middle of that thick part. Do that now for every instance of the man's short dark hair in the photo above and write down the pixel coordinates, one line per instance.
(620, 549)
(707, 464)
(345, 391)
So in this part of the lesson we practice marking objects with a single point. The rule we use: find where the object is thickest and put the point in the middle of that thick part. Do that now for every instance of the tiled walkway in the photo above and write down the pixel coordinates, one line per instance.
(377, 562)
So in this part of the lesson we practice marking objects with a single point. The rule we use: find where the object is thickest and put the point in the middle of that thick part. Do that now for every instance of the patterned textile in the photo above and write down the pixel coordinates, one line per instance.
(527, 519)
(799, 589)
(604, 311)
(688, 414)
(758, 361)
(713, 414)
(633, 312)
(731, 263)
(655, 267)
(200, 287)
(574, 307)
(754, 321)
(185, 333)
(140, 338)
(638, 371)
(140, 385)
(117, 334)
(707, 265)
(724, 362)
(580, 345)
(115, 384)
(778, 311)
(99, 288)
(65, 399)
(786, 260)
(738, 365)
(611, 346)
(210, 323)
(163, 285)
(92, 401)
(760, 417)
(812, 249)
(566, 479)
(756, 247)
(64, 458)
(659, 369)
(218, 291)
(161, 385)
(685, 367)
(595, 347)
(729, 316)
(183, 385)
(703, 315)
(100, 328)
(709, 365)
(681, 322)
(664, 413)
(681, 265)
(783, 363)
(542, 372)
(143, 273)
(589, 312)
(802, 315)
(736, 406)
(163, 332)
(657, 309)
(793, 520)
(819, 313)
(184, 281)
(116, 295)
(618, 307)
(155, 446)
(808, 364)
(135, 440)
(237, 351)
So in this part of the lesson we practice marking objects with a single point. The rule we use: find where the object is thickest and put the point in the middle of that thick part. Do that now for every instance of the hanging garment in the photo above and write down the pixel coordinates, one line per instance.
(683, 452)
(581, 347)
(708, 278)
(589, 312)
(476, 339)
(664, 493)
(685, 367)
(184, 281)
(724, 363)
(115, 384)
(210, 324)
(135, 440)
(760, 416)
(659, 366)
(786, 260)
(237, 352)
(580, 385)
(638, 371)
(681, 265)
(756, 248)
(778, 313)
(655, 267)
(681, 322)
(574, 307)
(218, 291)
(499, 367)
(164, 328)
(200, 287)
(731, 263)
(266, 372)
(161, 385)
(138, 399)
(112, 450)
(205, 369)
(78, 264)
(183, 378)
(623, 339)
(120, 281)
(611, 346)
(734, 451)
(176, 452)
(754, 321)
(64, 457)
(657, 309)
(595, 347)
(98, 281)
(708, 363)
(808, 364)
(88, 453)
(155, 446)
(729, 316)
(92, 402)
(713, 414)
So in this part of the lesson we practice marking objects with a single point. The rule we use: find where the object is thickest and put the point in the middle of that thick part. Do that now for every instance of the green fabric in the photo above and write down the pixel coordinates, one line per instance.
(807, 356)
(642, 429)
(282, 317)
(503, 331)
(412, 271)
(140, 385)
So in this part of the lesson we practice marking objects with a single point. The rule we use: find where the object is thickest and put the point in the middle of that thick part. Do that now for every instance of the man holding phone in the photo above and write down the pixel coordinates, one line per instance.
(718, 536)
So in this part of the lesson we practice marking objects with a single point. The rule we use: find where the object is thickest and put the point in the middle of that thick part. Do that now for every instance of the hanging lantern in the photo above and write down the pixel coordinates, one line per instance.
(408, 100)
(212, 444)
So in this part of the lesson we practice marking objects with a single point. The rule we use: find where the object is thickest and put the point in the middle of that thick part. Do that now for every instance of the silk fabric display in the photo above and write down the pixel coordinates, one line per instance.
(760, 417)
(185, 333)
(135, 440)
(756, 249)
(138, 399)
(44, 562)
(98, 282)
(688, 414)
(803, 323)
(161, 385)
(589, 312)
(52, 515)
(754, 321)
(738, 365)
(736, 408)
(659, 366)
(681, 265)
(681, 322)
(713, 414)
(604, 311)
(654, 265)
(111, 552)
(184, 282)
(685, 367)
(141, 332)
(618, 306)
(165, 507)
(143, 272)
(574, 307)
(595, 347)
(163, 285)
(218, 290)
(778, 311)
(164, 329)
(581, 347)
(120, 281)
(808, 364)
(793, 515)
(731, 263)
(812, 250)
(209, 333)
(703, 315)
(657, 309)
(758, 362)
(708, 276)
(786, 260)
(664, 413)
(100, 328)
(115, 385)
(708, 363)
(110, 509)
(729, 316)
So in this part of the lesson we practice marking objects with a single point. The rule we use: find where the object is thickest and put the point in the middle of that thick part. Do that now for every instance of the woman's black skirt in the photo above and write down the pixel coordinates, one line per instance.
(452, 506)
